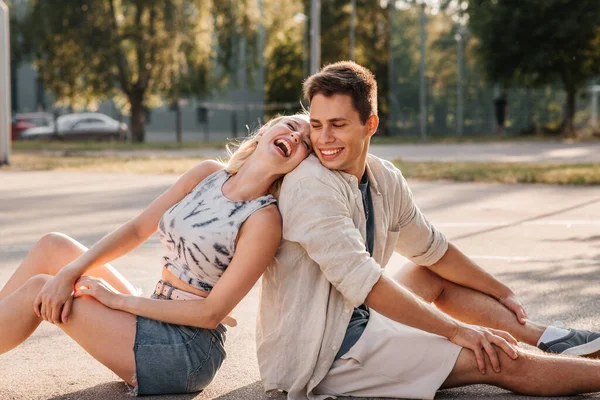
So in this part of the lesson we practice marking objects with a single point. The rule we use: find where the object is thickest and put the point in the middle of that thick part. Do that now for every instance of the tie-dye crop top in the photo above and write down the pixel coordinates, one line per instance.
(200, 231)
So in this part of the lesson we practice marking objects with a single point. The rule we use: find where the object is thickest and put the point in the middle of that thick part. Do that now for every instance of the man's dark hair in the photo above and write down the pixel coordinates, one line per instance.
(349, 78)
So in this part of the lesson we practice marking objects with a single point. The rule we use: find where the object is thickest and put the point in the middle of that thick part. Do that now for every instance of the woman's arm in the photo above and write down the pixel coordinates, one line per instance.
(57, 292)
(257, 244)
(135, 232)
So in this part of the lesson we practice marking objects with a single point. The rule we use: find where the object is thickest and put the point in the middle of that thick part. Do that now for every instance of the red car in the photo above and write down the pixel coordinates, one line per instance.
(21, 122)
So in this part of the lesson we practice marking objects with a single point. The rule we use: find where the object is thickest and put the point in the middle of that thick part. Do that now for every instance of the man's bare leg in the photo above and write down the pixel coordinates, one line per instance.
(465, 304)
(530, 374)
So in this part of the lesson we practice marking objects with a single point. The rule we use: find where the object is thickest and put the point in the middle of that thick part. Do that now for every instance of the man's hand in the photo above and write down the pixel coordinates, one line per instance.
(513, 304)
(479, 340)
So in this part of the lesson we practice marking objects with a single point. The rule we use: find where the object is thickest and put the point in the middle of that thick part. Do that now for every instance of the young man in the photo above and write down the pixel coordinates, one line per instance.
(331, 324)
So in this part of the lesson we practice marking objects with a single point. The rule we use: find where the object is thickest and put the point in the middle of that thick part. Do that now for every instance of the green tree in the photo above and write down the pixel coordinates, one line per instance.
(137, 52)
(284, 50)
(534, 43)
(372, 33)
(286, 43)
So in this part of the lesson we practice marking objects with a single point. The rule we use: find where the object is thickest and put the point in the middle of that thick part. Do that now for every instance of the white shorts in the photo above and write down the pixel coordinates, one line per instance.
(391, 360)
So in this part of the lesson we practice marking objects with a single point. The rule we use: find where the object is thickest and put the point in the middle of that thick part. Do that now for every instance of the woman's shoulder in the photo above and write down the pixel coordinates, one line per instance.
(201, 171)
(268, 213)
(265, 219)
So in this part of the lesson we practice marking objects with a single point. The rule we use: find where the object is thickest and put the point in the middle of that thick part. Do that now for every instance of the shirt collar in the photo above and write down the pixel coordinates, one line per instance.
(372, 180)
(349, 178)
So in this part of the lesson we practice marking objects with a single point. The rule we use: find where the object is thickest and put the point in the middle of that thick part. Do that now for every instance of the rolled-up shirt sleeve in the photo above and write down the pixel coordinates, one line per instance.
(419, 240)
(316, 216)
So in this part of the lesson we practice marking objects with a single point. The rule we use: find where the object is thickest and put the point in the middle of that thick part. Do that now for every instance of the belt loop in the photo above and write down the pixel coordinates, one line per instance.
(158, 289)
(170, 292)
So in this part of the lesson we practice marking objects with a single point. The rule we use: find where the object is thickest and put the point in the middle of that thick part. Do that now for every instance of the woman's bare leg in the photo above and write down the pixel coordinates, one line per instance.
(52, 252)
(107, 335)
(531, 374)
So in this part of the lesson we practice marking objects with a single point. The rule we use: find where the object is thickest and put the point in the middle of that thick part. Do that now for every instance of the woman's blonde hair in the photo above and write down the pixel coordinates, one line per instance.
(239, 153)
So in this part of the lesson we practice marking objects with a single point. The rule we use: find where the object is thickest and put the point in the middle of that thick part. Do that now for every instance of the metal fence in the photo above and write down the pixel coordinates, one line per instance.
(434, 88)
(529, 111)
(437, 87)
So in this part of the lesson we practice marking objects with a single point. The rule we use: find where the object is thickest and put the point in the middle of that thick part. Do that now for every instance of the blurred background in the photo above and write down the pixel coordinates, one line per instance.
(206, 70)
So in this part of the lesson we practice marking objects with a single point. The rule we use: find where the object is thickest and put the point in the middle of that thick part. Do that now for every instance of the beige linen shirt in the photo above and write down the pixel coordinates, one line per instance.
(322, 269)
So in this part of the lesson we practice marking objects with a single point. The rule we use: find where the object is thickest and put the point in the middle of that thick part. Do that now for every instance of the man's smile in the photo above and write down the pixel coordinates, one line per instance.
(330, 153)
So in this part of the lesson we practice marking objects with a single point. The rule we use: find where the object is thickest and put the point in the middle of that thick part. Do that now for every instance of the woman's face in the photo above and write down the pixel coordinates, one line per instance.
(286, 142)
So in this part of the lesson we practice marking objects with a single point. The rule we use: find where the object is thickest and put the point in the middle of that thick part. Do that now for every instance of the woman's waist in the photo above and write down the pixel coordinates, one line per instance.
(174, 281)
(184, 291)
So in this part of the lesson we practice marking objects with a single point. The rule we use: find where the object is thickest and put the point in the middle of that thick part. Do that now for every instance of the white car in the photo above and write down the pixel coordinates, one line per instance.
(80, 126)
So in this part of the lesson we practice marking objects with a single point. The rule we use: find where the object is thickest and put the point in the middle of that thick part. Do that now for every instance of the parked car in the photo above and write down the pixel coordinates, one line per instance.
(22, 122)
(79, 126)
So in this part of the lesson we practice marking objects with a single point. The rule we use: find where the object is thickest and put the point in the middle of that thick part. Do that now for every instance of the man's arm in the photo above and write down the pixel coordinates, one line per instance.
(426, 246)
(392, 300)
(317, 216)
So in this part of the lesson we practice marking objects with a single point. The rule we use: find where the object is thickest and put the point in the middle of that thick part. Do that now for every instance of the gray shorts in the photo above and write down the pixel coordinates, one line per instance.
(172, 358)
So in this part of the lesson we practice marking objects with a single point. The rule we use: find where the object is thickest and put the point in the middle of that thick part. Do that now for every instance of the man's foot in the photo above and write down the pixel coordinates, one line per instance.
(576, 343)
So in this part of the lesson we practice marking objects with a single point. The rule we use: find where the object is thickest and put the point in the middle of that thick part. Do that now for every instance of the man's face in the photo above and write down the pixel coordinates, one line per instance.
(338, 137)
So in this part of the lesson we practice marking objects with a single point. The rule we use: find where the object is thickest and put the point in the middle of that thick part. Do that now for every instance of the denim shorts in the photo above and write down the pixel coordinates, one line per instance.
(172, 358)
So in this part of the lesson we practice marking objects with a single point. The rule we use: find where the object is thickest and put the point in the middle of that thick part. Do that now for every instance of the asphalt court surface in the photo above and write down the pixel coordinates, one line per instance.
(544, 241)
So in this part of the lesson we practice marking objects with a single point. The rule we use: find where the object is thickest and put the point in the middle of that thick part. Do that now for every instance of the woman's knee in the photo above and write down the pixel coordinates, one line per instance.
(54, 240)
(58, 250)
(34, 284)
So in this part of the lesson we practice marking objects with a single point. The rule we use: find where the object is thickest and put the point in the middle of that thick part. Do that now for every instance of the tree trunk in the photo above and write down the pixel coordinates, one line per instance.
(569, 125)
(138, 117)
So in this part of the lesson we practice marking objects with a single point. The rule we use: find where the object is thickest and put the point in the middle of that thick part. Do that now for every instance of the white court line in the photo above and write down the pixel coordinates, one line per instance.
(490, 224)
(527, 258)
(565, 222)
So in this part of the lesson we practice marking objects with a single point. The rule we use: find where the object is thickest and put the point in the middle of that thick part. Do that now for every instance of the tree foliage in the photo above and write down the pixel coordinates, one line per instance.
(137, 51)
(286, 43)
(284, 51)
(539, 42)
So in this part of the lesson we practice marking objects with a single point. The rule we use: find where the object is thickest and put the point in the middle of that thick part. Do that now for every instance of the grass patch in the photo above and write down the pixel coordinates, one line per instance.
(75, 146)
(479, 139)
(559, 174)
(562, 174)
(142, 165)
(55, 145)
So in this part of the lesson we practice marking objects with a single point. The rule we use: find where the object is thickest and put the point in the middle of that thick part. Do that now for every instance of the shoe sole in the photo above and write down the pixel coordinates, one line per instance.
(589, 350)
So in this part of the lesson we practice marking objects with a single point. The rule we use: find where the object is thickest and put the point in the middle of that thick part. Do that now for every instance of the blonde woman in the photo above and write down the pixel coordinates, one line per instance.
(220, 228)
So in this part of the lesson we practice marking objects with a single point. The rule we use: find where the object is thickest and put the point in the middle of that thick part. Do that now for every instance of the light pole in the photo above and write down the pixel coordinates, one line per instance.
(391, 78)
(315, 36)
(352, 27)
(460, 36)
(300, 18)
(4, 85)
(262, 40)
(422, 99)
(594, 115)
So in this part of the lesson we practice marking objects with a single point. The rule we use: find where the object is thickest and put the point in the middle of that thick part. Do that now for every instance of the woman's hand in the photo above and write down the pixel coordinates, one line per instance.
(513, 304)
(479, 340)
(53, 302)
(100, 290)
